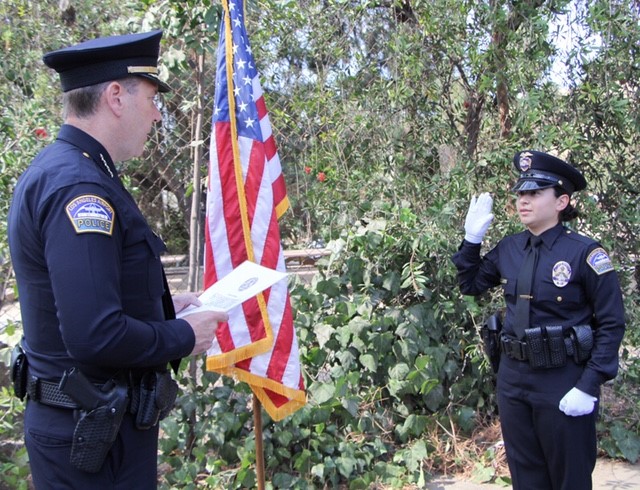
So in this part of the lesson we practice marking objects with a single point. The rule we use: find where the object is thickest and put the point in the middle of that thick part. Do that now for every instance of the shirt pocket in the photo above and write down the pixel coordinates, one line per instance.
(570, 296)
(142, 268)
(509, 289)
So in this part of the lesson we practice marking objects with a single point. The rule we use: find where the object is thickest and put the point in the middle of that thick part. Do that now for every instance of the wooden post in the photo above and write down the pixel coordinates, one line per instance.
(197, 141)
(257, 427)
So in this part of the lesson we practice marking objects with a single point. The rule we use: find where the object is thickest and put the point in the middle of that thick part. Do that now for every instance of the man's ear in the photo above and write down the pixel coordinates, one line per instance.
(114, 97)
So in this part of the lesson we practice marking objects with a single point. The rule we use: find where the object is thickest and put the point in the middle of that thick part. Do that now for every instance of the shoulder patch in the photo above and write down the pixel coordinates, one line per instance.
(599, 261)
(91, 214)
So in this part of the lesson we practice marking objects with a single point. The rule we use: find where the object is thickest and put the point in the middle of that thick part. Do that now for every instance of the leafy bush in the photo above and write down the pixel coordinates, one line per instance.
(390, 353)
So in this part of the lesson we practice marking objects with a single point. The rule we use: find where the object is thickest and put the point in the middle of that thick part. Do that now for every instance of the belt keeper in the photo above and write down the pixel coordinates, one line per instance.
(522, 350)
(33, 388)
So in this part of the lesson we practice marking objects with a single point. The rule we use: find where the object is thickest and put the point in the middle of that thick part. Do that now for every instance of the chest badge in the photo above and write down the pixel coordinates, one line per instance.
(561, 273)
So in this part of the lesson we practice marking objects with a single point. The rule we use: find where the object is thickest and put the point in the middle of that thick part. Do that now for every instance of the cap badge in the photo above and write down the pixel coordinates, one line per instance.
(561, 273)
(142, 69)
(525, 161)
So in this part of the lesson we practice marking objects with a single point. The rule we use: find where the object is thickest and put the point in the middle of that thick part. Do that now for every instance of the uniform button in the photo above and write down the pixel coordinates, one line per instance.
(559, 299)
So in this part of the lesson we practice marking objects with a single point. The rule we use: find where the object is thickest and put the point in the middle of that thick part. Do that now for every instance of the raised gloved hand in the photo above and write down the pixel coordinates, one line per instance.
(577, 402)
(478, 218)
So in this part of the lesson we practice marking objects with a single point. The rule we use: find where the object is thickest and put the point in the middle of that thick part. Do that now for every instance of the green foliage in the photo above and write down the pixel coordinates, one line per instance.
(386, 364)
(13, 455)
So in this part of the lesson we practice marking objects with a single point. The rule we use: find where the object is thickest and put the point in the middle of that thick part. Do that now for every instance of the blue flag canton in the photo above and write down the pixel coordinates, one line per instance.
(244, 74)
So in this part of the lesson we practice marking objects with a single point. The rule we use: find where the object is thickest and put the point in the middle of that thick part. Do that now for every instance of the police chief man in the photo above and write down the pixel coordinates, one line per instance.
(99, 321)
(563, 325)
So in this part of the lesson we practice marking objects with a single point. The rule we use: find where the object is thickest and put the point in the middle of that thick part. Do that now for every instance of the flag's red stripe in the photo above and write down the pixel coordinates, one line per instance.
(209, 276)
(254, 319)
(279, 190)
(244, 364)
(230, 198)
(277, 399)
(253, 180)
(262, 107)
(271, 252)
(230, 206)
(270, 149)
(282, 346)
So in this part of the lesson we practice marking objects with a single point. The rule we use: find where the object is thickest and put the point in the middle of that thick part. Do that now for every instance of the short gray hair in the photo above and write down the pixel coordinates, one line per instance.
(83, 101)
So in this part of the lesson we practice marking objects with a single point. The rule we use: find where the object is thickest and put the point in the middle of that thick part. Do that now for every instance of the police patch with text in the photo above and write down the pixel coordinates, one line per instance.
(91, 214)
(599, 261)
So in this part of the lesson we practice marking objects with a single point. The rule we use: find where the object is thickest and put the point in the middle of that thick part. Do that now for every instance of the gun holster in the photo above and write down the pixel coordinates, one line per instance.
(490, 333)
(157, 396)
(98, 426)
(19, 371)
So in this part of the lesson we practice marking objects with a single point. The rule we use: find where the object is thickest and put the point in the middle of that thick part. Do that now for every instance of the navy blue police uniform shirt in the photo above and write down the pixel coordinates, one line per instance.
(88, 267)
(574, 284)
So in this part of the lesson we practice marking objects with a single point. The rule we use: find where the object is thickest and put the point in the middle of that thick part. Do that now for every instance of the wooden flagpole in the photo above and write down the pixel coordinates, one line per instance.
(257, 424)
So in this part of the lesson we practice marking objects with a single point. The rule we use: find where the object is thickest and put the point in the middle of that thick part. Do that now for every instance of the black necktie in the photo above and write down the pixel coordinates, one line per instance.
(523, 287)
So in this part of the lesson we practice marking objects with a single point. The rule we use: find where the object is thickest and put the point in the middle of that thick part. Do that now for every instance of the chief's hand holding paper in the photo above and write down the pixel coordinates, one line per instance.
(244, 282)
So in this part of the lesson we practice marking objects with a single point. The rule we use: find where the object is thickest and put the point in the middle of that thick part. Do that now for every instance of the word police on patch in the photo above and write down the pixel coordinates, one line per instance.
(91, 214)
(599, 261)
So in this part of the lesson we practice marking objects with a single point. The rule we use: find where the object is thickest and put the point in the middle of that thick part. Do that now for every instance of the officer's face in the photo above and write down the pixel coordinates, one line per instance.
(539, 210)
(142, 115)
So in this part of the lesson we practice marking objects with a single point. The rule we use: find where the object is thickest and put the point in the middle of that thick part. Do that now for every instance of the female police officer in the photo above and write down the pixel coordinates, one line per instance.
(563, 325)
(92, 290)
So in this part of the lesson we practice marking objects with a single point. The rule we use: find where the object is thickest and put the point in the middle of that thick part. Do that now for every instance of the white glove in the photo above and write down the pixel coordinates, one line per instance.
(478, 218)
(577, 402)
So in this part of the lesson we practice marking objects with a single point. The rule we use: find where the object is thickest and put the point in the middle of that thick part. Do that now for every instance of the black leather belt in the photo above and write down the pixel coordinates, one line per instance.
(48, 393)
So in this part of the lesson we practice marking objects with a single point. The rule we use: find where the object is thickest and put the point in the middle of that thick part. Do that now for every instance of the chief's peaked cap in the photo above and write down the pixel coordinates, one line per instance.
(108, 58)
(540, 170)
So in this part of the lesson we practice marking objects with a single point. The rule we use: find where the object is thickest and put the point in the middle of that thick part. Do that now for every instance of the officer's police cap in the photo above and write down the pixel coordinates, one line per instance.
(108, 58)
(540, 170)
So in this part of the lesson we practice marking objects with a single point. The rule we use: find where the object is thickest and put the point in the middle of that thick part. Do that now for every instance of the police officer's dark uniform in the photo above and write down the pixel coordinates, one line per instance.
(91, 285)
(574, 284)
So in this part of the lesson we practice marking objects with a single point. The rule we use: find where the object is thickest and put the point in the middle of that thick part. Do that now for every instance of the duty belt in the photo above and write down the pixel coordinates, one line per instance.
(48, 393)
(550, 346)
(151, 398)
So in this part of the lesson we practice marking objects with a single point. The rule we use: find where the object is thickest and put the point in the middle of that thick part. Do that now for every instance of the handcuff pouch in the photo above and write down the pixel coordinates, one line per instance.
(19, 371)
(157, 396)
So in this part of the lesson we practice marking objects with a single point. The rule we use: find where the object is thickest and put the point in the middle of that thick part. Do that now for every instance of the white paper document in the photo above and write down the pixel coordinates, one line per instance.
(244, 282)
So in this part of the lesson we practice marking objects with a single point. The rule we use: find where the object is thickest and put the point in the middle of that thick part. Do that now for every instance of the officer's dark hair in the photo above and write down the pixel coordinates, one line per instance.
(569, 213)
(83, 101)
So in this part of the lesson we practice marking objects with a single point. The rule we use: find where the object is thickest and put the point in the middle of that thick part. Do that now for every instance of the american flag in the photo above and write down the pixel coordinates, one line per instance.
(246, 197)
